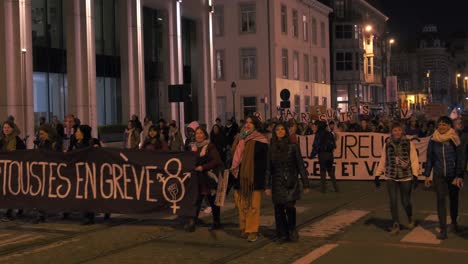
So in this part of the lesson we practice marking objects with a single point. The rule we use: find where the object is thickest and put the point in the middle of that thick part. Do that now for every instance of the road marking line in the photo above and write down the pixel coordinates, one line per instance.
(18, 239)
(404, 246)
(316, 254)
(37, 250)
(4, 235)
(333, 224)
(421, 233)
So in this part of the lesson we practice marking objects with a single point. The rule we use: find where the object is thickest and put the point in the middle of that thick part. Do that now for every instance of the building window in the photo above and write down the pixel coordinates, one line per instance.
(306, 104)
(315, 69)
(248, 16)
(344, 61)
(297, 103)
(358, 61)
(250, 105)
(339, 8)
(284, 19)
(296, 65)
(248, 62)
(314, 31)
(305, 28)
(324, 70)
(295, 19)
(316, 100)
(220, 59)
(344, 31)
(324, 101)
(322, 34)
(377, 66)
(284, 63)
(369, 65)
(306, 68)
(219, 21)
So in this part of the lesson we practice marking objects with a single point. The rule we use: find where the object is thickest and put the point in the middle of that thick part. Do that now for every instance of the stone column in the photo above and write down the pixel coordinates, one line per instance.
(132, 59)
(207, 106)
(16, 82)
(176, 67)
(81, 61)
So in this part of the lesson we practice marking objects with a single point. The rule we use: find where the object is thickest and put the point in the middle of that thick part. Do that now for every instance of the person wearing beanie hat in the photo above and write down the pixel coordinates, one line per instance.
(445, 159)
(190, 134)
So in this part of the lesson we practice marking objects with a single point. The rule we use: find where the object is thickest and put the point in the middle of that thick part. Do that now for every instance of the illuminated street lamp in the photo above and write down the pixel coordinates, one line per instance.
(456, 80)
(391, 41)
(368, 28)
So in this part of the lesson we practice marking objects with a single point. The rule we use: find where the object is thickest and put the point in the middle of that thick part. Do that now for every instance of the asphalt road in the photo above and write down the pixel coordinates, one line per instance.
(346, 227)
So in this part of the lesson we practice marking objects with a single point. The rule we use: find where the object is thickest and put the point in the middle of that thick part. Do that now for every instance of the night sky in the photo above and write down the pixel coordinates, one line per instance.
(407, 17)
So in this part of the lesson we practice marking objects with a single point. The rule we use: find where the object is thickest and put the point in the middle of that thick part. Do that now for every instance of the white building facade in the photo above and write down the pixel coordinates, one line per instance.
(262, 47)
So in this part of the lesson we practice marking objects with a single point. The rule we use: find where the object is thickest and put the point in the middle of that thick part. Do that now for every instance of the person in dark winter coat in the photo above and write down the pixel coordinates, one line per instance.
(10, 141)
(163, 130)
(84, 140)
(445, 159)
(249, 169)
(323, 146)
(285, 164)
(207, 165)
(400, 165)
(218, 139)
(48, 141)
(154, 141)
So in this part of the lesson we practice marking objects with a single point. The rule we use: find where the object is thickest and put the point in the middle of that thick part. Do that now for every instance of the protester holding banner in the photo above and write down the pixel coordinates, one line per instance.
(84, 140)
(49, 141)
(292, 132)
(248, 168)
(446, 160)
(190, 134)
(284, 165)
(132, 135)
(10, 141)
(207, 167)
(154, 141)
(323, 146)
(175, 138)
(400, 165)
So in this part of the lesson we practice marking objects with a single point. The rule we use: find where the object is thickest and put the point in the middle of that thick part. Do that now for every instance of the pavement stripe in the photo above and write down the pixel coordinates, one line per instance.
(366, 244)
(37, 250)
(333, 224)
(4, 235)
(421, 233)
(18, 239)
(316, 254)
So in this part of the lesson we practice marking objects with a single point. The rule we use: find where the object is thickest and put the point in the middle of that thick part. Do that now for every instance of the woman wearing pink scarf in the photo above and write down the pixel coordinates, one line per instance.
(249, 164)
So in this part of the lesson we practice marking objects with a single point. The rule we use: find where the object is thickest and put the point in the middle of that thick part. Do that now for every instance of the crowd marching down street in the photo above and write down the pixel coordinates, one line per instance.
(264, 158)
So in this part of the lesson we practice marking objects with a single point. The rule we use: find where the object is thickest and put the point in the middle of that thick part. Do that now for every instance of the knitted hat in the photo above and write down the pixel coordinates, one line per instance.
(194, 125)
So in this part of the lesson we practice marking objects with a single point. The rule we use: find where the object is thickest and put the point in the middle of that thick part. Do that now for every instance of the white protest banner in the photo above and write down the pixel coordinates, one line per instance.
(357, 155)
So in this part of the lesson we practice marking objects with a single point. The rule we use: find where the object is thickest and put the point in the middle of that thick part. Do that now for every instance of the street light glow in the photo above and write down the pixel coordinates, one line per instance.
(458, 75)
(466, 78)
(392, 41)
(368, 28)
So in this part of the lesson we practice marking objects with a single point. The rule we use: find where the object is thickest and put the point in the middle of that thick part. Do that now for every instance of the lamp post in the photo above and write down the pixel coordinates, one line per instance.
(233, 89)
(456, 80)
(429, 91)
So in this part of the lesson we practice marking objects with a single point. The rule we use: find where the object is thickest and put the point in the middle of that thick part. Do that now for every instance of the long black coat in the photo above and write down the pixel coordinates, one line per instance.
(282, 177)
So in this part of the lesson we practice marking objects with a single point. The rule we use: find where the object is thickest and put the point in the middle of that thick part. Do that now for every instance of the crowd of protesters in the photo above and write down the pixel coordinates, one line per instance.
(265, 158)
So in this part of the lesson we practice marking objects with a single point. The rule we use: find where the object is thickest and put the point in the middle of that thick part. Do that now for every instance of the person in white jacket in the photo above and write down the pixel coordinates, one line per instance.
(400, 166)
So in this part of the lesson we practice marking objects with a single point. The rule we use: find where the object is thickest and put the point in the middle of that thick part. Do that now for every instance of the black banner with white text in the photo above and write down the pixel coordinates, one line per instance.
(97, 179)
